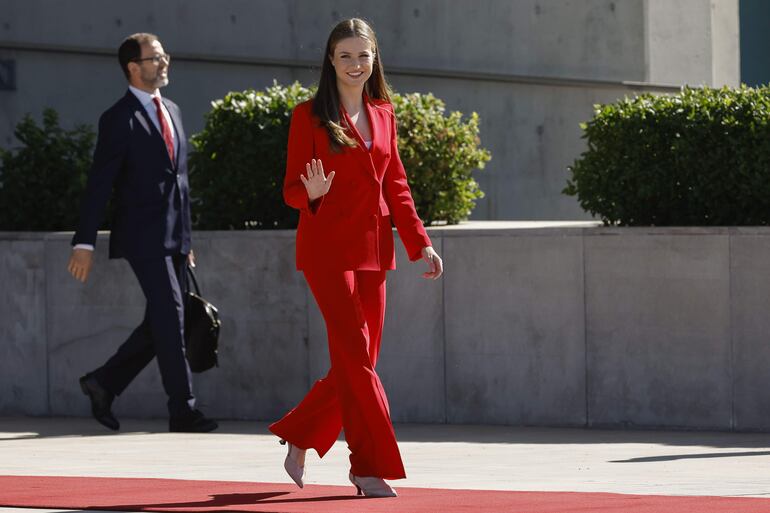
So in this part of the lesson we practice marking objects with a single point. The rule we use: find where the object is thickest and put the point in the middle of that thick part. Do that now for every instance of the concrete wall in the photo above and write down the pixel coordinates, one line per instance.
(533, 69)
(531, 325)
(693, 42)
(725, 43)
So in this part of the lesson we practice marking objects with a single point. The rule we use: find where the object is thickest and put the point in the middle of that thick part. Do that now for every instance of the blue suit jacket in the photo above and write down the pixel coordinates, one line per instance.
(151, 195)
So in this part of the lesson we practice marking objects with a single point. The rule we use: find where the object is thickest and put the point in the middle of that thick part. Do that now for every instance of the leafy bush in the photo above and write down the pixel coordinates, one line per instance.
(41, 182)
(439, 153)
(239, 161)
(701, 157)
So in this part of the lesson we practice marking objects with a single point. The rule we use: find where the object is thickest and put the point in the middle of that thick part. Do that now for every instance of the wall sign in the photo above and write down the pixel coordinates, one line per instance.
(7, 75)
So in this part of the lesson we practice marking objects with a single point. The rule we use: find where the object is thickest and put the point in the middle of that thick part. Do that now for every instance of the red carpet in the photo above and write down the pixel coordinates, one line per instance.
(192, 496)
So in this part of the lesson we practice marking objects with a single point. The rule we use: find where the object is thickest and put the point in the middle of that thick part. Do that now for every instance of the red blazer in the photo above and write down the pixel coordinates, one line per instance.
(350, 227)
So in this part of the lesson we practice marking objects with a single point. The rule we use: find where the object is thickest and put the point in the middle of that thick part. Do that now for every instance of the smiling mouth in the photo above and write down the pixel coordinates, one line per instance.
(356, 75)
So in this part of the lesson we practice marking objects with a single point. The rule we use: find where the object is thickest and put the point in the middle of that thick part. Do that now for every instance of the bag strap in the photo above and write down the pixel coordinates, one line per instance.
(191, 273)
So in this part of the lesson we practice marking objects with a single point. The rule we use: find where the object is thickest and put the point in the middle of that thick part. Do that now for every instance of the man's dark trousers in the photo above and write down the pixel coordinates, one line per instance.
(163, 281)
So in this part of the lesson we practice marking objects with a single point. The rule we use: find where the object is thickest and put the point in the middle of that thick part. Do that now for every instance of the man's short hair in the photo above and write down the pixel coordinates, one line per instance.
(131, 49)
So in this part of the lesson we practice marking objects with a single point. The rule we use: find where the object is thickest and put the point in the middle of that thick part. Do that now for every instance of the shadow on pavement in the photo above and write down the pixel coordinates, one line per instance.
(674, 457)
(20, 428)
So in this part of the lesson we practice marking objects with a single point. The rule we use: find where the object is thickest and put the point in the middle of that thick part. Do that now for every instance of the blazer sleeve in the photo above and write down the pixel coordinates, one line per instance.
(399, 197)
(109, 156)
(299, 152)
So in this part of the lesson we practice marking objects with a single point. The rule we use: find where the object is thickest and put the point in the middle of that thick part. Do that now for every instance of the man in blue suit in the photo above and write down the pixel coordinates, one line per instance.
(140, 162)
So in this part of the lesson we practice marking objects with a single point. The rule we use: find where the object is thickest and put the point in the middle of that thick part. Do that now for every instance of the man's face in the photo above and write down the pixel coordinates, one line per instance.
(153, 66)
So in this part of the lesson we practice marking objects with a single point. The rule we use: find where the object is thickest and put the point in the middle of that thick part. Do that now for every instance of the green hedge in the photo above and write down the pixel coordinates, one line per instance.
(239, 160)
(700, 157)
(440, 153)
(42, 181)
(238, 164)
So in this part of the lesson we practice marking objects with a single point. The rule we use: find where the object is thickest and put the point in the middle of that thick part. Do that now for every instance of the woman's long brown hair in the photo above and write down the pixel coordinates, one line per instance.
(326, 103)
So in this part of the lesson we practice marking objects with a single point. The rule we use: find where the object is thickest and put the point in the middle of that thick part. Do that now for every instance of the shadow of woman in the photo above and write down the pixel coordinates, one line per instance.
(227, 500)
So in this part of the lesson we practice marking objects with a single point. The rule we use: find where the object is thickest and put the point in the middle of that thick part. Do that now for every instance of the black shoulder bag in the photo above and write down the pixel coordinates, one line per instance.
(201, 329)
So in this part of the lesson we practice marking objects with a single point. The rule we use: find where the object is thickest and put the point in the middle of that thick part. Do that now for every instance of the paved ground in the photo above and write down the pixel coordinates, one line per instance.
(477, 457)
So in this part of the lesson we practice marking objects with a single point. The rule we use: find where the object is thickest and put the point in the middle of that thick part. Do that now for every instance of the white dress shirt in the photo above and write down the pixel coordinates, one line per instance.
(145, 99)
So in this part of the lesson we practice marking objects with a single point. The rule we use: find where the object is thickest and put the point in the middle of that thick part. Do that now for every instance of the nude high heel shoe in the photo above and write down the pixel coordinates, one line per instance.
(372, 486)
(295, 463)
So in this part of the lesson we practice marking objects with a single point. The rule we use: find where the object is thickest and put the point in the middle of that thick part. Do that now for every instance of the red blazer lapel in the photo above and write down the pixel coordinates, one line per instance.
(380, 151)
(362, 154)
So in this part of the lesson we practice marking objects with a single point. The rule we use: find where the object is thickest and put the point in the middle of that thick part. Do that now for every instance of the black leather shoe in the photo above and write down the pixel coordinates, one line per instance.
(195, 422)
(101, 402)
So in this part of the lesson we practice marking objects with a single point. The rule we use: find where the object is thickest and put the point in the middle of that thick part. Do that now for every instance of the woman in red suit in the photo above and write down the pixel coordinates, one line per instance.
(344, 248)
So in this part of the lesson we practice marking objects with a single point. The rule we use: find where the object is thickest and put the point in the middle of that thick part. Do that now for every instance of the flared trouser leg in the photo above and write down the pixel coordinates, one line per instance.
(351, 396)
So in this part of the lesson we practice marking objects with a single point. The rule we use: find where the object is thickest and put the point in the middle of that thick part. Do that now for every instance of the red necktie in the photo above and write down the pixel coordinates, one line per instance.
(165, 130)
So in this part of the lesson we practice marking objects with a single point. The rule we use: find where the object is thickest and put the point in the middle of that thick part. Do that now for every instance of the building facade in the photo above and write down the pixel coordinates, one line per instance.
(532, 69)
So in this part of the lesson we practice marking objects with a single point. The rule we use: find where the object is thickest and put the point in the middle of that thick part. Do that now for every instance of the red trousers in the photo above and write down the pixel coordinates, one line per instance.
(351, 396)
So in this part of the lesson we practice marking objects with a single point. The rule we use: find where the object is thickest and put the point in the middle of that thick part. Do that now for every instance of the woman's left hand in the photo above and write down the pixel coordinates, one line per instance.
(435, 264)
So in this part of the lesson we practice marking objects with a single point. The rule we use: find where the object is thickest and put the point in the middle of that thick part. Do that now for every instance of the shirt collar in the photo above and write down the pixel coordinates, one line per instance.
(144, 97)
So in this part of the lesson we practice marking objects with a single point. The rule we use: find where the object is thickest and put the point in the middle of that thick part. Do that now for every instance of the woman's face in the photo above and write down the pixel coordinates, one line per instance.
(352, 60)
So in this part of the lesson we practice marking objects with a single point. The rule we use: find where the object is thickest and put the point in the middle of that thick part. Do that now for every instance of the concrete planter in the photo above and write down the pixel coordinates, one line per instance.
(533, 324)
